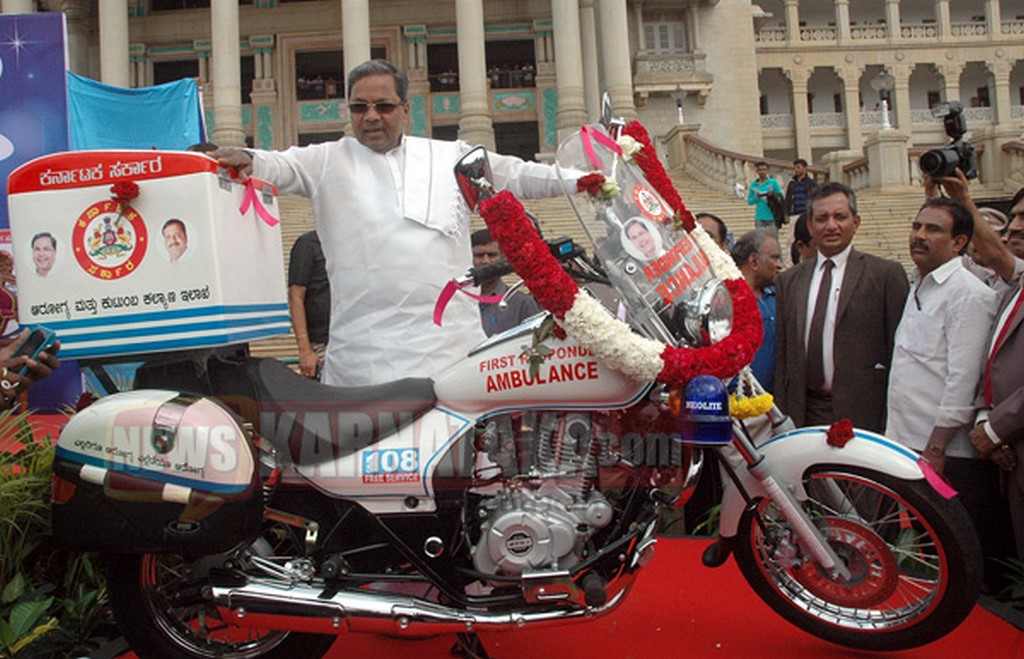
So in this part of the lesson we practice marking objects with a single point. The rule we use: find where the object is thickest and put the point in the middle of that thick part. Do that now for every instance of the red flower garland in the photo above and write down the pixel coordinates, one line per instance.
(528, 254)
(556, 291)
(654, 171)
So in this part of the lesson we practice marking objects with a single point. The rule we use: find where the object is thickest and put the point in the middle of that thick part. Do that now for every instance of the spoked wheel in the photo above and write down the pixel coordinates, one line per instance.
(157, 600)
(914, 560)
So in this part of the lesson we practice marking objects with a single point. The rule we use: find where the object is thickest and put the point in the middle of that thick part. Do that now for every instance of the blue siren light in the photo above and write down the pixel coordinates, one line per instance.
(704, 418)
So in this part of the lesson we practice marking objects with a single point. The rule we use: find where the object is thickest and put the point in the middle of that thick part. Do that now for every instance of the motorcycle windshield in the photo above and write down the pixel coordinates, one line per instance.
(657, 269)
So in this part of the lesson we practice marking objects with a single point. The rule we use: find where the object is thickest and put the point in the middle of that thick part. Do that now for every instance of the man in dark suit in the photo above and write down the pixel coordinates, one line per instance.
(849, 326)
(999, 434)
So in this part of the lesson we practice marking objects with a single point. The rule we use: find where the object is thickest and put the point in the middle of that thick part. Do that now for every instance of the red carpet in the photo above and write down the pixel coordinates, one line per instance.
(679, 608)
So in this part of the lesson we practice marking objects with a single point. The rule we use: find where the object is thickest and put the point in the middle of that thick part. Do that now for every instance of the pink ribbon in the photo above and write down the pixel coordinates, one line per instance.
(449, 291)
(589, 134)
(250, 198)
(935, 480)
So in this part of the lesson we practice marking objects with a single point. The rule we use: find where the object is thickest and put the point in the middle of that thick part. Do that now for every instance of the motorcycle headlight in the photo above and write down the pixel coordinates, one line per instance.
(709, 316)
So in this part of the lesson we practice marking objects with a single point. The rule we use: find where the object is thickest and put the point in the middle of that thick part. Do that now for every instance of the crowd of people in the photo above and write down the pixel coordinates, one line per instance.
(931, 360)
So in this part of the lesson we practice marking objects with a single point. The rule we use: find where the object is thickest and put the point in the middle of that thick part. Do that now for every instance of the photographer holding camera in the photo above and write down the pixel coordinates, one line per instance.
(958, 154)
(998, 434)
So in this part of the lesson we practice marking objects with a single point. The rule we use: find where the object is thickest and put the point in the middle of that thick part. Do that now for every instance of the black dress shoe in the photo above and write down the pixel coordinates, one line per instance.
(718, 552)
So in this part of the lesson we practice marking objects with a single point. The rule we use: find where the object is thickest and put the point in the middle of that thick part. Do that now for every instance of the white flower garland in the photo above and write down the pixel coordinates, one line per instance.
(612, 340)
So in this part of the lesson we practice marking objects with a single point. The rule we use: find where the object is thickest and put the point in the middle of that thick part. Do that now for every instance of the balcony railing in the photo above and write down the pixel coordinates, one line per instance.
(1013, 27)
(920, 31)
(818, 34)
(974, 117)
(973, 29)
(869, 32)
(827, 119)
(772, 35)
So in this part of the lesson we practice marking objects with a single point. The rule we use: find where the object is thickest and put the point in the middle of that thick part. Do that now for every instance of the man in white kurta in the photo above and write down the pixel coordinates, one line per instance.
(394, 230)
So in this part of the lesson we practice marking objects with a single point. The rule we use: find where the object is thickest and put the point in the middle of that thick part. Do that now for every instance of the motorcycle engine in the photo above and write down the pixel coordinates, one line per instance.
(541, 512)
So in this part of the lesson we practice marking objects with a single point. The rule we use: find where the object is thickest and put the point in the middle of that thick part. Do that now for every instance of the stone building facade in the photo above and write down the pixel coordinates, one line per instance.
(776, 77)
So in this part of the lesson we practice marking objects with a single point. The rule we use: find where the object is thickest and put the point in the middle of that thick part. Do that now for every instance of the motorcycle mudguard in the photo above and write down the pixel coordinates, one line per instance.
(155, 471)
(789, 455)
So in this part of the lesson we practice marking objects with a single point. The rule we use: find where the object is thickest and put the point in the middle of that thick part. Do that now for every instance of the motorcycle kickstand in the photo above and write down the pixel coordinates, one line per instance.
(469, 646)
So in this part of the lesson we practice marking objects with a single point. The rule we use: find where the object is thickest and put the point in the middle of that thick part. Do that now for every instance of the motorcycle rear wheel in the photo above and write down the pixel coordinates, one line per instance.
(914, 556)
(142, 592)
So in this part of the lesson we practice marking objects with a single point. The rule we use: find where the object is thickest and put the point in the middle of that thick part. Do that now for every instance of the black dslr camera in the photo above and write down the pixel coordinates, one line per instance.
(958, 153)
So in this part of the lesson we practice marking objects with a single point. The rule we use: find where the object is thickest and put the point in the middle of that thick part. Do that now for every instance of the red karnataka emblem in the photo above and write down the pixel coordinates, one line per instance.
(649, 204)
(109, 240)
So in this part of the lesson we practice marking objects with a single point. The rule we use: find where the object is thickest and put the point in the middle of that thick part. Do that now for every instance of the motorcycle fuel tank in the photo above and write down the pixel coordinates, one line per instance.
(496, 377)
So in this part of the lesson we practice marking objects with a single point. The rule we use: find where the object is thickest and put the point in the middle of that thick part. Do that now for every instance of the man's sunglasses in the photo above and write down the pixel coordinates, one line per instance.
(385, 107)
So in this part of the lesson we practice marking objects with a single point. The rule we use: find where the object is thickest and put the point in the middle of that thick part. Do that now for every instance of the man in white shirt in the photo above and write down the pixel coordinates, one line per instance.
(941, 344)
(941, 339)
(394, 229)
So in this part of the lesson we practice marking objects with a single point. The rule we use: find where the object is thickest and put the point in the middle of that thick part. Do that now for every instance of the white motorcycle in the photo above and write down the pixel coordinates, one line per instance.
(260, 514)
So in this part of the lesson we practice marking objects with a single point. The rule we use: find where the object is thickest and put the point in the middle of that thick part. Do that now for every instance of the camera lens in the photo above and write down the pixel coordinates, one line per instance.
(940, 162)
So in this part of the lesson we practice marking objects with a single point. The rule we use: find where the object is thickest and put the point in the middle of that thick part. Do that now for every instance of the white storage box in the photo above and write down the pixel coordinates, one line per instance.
(177, 266)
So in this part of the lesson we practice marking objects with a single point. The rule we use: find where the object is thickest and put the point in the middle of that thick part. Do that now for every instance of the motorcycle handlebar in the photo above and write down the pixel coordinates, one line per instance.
(563, 249)
(490, 271)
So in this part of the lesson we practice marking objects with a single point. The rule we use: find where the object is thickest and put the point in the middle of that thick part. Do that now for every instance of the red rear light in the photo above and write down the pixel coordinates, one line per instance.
(62, 490)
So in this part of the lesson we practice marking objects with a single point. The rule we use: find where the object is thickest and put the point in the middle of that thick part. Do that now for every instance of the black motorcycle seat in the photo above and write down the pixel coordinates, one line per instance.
(317, 423)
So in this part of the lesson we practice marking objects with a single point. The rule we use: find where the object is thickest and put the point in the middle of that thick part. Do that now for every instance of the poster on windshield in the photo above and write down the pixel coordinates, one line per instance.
(126, 252)
(658, 269)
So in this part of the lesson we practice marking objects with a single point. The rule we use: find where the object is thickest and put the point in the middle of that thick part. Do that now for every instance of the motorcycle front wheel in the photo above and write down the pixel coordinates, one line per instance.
(914, 557)
(156, 599)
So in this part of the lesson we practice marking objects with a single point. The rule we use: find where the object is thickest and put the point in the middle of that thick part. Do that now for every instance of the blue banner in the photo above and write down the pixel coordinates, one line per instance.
(33, 95)
(104, 117)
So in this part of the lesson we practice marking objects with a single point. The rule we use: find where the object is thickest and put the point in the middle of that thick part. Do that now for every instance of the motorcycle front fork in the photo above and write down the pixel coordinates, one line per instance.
(800, 523)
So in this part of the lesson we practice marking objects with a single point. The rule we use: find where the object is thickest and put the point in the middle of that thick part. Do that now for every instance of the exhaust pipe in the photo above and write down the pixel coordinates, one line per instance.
(304, 608)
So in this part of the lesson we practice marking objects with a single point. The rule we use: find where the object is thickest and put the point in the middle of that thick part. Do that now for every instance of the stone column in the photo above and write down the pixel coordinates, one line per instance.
(139, 65)
(416, 48)
(227, 75)
(18, 7)
(355, 34)
(792, 10)
(950, 72)
(113, 19)
(993, 19)
(942, 20)
(571, 113)
(798, 78)
(420, 110)
(901, 97)
(615, 57)
(546, 84)
(851, 105)
(266, 123)
(475, 124)
(591, 75)
(892, 18)
(638, 21)
(843, 20)
(1000, 70)
(202, 48)
(79, 17)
